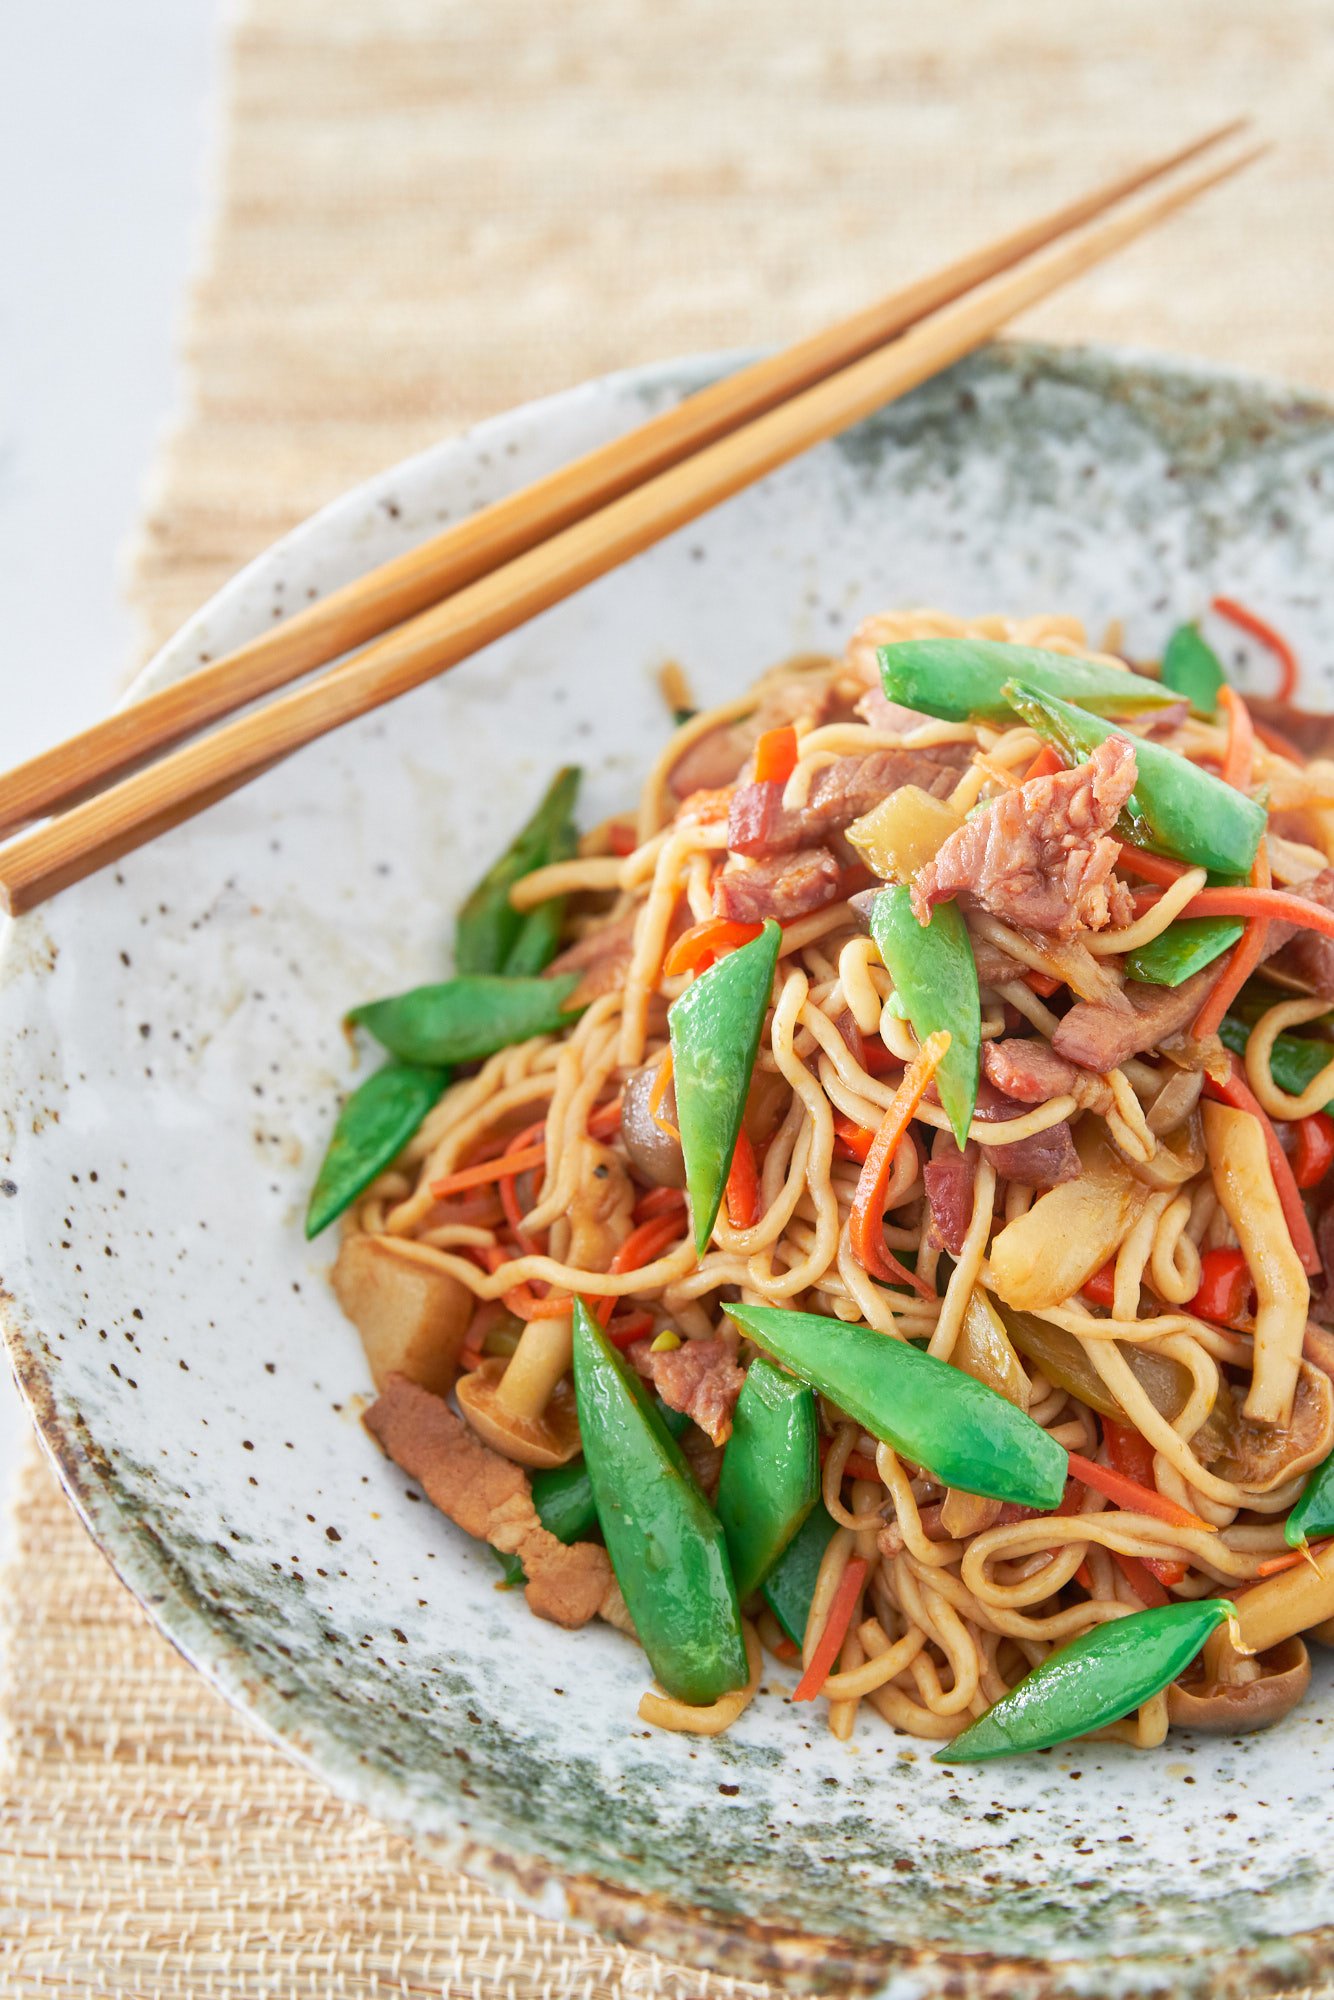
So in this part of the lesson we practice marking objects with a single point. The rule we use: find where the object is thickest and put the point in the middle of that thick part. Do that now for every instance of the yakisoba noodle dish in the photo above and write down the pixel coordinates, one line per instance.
(872, 1204)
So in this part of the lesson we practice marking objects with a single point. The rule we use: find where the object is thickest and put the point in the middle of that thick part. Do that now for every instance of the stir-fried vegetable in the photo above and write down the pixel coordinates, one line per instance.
(935, 975)
(961, 1431)
(1260, 628)
(1295, 1060)
(1313, 1154)
(491, 935)
(1184, 948)
(1096, 1679)
(563, 1495)
(373, 1127)
(665, 1542)
(790, 1584)
(1045, 1256)
(463, 1020)
(771, 1472)
(715, 1031)
(1176, 807)
(1191, 668)
(905, 831)
(835, 1631)
(1245, 1186)
(984, 1350)
(1313, 1514)
(1235, 1090)
(963, 680)
(866, 1223)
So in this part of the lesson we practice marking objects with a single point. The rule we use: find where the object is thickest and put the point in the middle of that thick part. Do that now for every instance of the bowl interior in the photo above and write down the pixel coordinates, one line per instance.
(170, 1040)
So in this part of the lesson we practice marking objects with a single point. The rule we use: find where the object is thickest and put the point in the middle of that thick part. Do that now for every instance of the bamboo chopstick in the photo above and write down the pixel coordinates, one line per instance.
(370, 605)
(115, 821)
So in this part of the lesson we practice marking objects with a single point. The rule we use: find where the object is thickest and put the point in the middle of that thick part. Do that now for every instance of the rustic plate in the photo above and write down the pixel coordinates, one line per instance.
(171, 1053)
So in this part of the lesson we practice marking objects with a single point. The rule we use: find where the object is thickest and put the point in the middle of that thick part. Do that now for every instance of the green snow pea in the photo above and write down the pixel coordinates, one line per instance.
(462, 1020)
(563, 1495)
(770, 1477)
(715, 1035)
(1185, 947)
(515, 1575)
(963, 1433)
(790, 1584)
(665, 1542)
(373, 1127)
(962, 680)
(1176, 808)
(1295, 1060)
(491, 936)
(1191, 668)
(1313, 1514)
(935, 975)
(1096, 1679)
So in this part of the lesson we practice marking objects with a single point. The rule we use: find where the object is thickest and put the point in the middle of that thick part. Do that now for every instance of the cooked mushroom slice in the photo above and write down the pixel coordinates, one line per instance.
(1276, 1608)
(1265, 1689)
(1263, 1456)
(412, 1316)
(523, 1407)
(654, 1154)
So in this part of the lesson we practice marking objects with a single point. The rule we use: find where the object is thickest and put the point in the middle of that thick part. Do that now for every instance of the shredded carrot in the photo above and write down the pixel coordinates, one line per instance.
(524, 1303)
(696, 949)
(1132, 1454)
(1274, 739)
(658, 1092)
(1045, 765)
(866, 1222)
(835, 1631)
(509, 1194)
(706, 808)
(1152, 867)
(743, 1186)
(785, 1651)
(1238, 1093)
(1244, 957)
(855, 1466)
(776, 756)
(852, 1140)
(1130, 1495)
(605, 1120)
(1239, 756)
(1044, 984)
(632, 1328)
(1245, 901)
(659, 1201)
(1141, 1580)
(1290, 1558)
(505, 1167)
(1259, 628)
(646, 1242)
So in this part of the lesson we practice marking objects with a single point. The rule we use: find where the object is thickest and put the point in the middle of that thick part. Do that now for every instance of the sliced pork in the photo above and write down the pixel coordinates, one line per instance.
(1028, 1069)
(718, 759)
(948, 1178)
(1042, 855)
(788, 886)
(761, 825)
(1306, 956)
(700, 1378)
(1100, 1037)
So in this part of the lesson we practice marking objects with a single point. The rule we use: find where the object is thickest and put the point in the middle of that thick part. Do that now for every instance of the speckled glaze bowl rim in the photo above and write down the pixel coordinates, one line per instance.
(676, 1930)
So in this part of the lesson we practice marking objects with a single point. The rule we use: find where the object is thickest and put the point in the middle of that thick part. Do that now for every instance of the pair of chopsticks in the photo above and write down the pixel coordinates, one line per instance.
(425, 611)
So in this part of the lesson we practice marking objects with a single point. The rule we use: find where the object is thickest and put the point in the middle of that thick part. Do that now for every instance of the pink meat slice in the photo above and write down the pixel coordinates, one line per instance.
(788, 886)
(761, 825)
(1027, 1068)
(1042, 856)
(701, 1378)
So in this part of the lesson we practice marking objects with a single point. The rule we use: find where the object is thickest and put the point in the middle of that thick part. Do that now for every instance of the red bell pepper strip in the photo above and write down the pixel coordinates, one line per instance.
(743, 1185)
(1314, 1154)
(697, 948)
(1224, 1284)
(776, 756)
(1132, 1454)
(1100, 1289)
(1130, 1495)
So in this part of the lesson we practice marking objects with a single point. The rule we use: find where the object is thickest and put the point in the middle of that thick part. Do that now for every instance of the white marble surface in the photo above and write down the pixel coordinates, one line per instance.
(105, 156)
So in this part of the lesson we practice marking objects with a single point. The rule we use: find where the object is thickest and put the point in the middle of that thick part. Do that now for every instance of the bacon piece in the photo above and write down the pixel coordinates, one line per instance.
(1027, 1068)
(1041, 856)
(761, 825)
(948, 1178)
(1100, 1037)
(489, 1498)
(700, 1378)
(789, 885)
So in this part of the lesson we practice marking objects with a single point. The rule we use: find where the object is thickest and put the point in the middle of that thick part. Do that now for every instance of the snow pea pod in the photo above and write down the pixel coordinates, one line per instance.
(962, 1432)
(1096, 1679)
(1191, 668)
(935, 975)
(665, 1542)
(1185, 947)
(563, 1494)
(373, 1127)
(790, 1584)
(715, 1035)
(462, 1020)
(770, 1478)
(1313, 1514)
(490, 935)
(963, 680)
(1294, 1059)
(1176, 808)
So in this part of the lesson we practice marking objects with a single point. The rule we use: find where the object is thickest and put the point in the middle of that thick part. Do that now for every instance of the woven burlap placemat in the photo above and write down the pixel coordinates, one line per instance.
(430, 210)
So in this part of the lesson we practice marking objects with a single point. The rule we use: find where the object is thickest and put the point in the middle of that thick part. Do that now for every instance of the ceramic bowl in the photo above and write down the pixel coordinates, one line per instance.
(171, 1053)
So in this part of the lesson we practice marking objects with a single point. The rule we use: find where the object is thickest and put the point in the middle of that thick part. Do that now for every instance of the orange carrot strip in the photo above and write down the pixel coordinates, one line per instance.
(866, 1222)
(1045, 765)
(743, 1186)
(1290, 1559)
(1245, 901)
(835, 1631)
(1152, 867)
(1239, 755)
(1259, 628)
(1244, 957)
(776, 756)
(659, 1201)
(605, 1120)
(658, 1092)
(646, 1242)
(697, 948)
(1130, 1495)
(489, 1170)
(1145, 1586)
